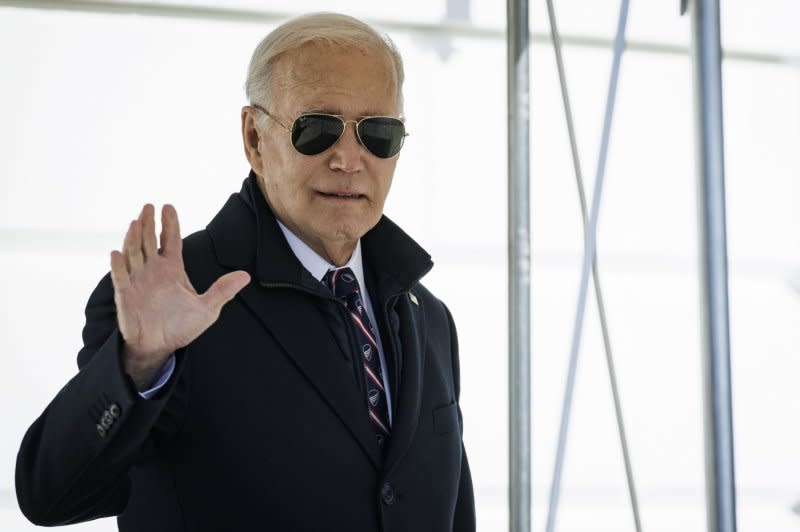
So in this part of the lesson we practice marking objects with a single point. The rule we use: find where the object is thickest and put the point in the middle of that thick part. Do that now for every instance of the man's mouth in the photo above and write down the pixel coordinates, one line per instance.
(342, 195)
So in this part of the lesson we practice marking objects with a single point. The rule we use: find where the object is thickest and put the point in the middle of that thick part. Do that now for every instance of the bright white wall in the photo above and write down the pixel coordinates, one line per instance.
(103, 112)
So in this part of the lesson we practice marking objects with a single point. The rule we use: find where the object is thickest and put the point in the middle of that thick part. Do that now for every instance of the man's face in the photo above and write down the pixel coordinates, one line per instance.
(329, 200)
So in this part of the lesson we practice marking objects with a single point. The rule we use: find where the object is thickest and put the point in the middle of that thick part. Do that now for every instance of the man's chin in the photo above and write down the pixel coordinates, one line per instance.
(344, 228)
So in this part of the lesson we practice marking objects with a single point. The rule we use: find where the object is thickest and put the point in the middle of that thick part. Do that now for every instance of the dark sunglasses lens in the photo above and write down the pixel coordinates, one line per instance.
(383, 137)
(313, 134)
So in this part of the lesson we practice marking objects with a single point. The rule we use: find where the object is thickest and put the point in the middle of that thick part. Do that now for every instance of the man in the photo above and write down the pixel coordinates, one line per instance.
(282, 369)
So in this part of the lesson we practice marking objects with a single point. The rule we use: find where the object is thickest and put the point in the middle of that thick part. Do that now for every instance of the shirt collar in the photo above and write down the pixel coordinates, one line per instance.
(316, 265)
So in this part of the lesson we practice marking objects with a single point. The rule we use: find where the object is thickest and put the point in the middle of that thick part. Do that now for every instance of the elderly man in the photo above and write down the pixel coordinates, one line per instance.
(282, 369)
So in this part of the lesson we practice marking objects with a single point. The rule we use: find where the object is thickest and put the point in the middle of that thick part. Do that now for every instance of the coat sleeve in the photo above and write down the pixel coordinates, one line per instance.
(464, 519)
(74, 460)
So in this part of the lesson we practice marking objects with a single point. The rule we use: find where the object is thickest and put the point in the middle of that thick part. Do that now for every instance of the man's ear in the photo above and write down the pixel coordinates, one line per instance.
(251, 137)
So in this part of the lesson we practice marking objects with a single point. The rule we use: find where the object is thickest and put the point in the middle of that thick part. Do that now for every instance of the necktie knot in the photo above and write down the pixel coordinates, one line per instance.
(342, 282)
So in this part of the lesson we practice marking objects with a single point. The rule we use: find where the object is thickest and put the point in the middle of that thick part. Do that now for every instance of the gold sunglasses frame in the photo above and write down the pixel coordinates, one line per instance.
(290, 130)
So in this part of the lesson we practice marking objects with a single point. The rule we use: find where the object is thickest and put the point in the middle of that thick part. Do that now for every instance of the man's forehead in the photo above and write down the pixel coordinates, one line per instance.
(336, 80)
(314, 63)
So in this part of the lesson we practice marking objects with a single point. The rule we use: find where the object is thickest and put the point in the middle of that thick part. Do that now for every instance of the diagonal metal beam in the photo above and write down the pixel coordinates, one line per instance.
(590, 242)
(598, 292)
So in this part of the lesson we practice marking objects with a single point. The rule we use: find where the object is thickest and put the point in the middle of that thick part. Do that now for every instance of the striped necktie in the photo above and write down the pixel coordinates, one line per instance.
(344, 286)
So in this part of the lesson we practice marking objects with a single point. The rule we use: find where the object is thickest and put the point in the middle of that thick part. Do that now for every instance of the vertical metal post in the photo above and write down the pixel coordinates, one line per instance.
(707, 59)
(519, 266)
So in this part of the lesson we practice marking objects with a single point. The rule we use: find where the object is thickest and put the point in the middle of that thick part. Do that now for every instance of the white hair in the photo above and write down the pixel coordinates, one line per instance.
(331, 29)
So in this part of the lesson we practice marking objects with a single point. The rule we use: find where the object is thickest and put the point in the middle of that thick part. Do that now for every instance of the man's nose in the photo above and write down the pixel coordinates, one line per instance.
(347, 153)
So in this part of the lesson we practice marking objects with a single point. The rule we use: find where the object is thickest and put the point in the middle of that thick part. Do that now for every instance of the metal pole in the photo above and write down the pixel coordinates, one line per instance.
(519, 266)
(707, 58)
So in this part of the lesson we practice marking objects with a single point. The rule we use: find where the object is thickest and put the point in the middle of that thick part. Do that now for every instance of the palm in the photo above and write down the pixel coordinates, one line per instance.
(158, 309)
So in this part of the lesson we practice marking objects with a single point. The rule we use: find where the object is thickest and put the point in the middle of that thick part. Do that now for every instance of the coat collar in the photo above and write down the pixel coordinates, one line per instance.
(246, 236)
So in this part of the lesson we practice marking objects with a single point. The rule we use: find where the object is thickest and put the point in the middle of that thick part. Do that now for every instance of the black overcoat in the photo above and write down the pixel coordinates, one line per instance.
(263, 425)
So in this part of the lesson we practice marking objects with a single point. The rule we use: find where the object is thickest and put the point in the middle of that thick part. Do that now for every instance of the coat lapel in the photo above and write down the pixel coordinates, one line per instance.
(309, 347)
(397, 262)
(409, 397)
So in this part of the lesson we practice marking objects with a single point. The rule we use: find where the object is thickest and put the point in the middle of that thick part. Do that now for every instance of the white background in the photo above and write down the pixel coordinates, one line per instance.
(102, 112)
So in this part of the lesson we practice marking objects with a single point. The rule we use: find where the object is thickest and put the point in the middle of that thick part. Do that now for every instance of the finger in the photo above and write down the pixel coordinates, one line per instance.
(133, 247)
(171, 244)
(224, 289)
(119, 272)
(149, 244)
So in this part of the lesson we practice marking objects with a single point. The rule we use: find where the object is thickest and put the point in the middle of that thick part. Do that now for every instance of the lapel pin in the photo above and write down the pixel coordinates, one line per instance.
(413, 298)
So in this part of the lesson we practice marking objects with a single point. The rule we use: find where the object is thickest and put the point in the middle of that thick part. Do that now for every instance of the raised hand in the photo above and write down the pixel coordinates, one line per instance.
(158, 309)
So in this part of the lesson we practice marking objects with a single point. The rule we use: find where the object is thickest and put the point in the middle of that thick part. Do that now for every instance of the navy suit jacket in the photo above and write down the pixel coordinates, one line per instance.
(263, 425)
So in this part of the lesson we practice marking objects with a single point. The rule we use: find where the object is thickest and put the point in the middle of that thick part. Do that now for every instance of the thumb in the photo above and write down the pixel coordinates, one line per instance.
(224, 289)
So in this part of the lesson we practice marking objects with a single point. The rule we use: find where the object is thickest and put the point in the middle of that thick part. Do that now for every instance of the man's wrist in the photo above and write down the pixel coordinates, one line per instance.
(161, 379)
(142, 369)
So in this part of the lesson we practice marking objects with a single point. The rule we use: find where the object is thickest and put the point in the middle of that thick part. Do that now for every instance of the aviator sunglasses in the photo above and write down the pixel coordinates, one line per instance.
(313, 133)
